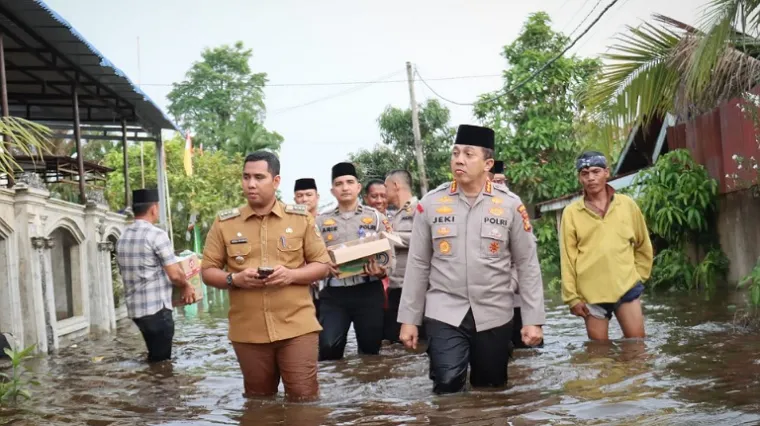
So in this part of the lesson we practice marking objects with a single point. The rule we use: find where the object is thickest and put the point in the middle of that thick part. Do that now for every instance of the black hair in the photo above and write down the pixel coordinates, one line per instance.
(371, 183)
(403, 175)
(141, 209)
(273, 163)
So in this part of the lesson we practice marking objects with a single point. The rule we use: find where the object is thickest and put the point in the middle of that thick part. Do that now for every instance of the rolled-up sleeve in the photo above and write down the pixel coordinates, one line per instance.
(522, 245)
(417, 277)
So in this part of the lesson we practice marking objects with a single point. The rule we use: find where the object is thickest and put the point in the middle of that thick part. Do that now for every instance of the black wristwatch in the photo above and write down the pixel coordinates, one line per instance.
(230, 284)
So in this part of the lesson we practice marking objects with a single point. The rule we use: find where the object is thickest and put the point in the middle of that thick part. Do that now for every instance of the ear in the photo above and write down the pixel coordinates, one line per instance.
(489, 164)
(276, 181)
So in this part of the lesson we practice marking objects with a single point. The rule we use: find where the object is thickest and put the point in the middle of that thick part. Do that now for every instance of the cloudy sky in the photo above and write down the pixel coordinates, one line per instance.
(341, 41)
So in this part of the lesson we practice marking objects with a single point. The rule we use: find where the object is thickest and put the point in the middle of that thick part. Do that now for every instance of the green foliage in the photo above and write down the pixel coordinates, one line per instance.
(23, 137)
(214, 185)
(16, 385)
(536, 134)
(397, 151)
(118, 284)
(222, 101)
(673, 268)
(752, 281)
(545, 230)
(678, 197)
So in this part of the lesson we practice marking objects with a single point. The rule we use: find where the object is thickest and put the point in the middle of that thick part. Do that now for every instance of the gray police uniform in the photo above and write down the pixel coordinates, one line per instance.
(358, 299)
(459, 280)
(401, 222)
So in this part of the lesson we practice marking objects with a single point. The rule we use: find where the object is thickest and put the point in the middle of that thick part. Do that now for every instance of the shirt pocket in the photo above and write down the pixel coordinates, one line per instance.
(444, 240)
(290, 251)
(238, 255)
(493, 240)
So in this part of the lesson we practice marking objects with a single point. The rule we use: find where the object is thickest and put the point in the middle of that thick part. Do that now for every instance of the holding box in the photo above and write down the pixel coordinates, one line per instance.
(191, 266)
(353, 255)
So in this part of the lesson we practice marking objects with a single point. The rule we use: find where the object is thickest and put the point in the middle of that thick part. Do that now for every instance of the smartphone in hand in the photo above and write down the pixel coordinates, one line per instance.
(264, 272)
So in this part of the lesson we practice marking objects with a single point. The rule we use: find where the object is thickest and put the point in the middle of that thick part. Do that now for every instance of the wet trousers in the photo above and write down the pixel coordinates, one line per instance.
(157, 331)
(452, 349)
(340, 306)
(391, 326)
(292, 360)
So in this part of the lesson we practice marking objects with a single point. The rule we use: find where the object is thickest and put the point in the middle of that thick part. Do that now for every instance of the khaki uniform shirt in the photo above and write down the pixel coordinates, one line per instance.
(402, 226)
(461, 257)
(337, 228)
(287, 236)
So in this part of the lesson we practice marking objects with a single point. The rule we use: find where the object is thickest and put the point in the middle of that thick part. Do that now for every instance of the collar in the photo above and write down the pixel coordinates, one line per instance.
(359, 209)
(610, 198)
(487, 188)
(246, 211)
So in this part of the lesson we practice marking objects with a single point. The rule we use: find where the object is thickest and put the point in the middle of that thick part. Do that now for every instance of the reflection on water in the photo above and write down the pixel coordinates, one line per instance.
(693, 369)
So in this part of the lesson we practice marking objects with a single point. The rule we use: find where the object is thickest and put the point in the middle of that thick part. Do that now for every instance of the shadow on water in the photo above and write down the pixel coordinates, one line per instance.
(694, 368)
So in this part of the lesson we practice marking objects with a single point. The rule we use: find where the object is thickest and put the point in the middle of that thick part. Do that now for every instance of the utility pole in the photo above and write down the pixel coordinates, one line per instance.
(416, 131)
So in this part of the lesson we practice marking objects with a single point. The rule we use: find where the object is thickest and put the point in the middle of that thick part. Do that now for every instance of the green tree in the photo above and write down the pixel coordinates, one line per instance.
(221, 99)
(536, 123)
(397, 150)
(214, 185)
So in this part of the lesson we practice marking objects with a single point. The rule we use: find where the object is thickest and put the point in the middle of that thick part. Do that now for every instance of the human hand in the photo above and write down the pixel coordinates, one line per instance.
(247, 279)
(281, 276)
(532, 335)
(373, 269)
(580, 310)
(188, 294)
(409, 336)
(334, 271)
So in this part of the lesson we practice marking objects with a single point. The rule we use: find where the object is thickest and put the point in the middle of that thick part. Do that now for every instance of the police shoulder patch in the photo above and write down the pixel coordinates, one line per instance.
(228, 214)
(299, 209)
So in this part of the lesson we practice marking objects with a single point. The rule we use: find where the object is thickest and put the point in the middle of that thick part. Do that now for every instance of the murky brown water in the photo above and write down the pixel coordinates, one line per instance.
(694, 369)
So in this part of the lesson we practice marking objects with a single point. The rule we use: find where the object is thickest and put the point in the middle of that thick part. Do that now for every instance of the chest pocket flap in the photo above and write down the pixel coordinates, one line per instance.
(290, 244)
(235, 250)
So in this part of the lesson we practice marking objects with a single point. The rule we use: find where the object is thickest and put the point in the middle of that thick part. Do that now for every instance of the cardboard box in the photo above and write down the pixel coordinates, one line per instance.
(191, 266)
(353, 255)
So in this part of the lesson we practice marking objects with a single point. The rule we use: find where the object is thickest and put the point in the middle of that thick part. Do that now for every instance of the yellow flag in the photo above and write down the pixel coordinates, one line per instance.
(188, 155)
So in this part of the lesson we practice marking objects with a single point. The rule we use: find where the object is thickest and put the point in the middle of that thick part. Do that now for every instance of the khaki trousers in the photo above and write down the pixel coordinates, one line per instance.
(292, 360)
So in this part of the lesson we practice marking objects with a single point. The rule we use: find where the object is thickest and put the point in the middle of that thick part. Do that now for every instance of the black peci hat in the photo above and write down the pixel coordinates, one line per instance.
(304, 184)
(475, 136)
(144, 196)
(344, 169)
(498, 167)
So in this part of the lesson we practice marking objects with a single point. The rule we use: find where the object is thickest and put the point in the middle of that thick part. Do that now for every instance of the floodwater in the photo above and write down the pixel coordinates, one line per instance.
(695, 368)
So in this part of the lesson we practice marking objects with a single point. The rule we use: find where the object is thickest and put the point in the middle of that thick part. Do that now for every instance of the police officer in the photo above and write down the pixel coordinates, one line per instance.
(267, 254)
(305, 193)
(358, 299)
(398, 186)
(465, 237)
(497, 173)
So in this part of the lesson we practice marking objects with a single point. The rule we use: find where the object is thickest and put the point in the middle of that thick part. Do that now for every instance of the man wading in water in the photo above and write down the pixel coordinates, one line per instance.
(606, 253)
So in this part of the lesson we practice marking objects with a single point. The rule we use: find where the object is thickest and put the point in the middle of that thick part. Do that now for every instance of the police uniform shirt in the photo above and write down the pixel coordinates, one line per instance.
(287, 236)
(337, 228)
(401, 222)
(461, 256)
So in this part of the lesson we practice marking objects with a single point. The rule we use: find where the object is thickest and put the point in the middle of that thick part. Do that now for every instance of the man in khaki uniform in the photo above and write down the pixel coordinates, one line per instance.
(465, 237)
(358, 299)
(399, 192)
(273, 327)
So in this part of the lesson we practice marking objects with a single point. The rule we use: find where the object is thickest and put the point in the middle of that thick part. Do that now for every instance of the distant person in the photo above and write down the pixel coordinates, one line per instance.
(606, 253)
(148, 270)
(375, 196)
(306, 194)
(497, 173)
(273, 325)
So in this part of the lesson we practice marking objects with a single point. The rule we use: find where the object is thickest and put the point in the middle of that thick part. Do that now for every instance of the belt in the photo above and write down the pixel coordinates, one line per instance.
(346, 282)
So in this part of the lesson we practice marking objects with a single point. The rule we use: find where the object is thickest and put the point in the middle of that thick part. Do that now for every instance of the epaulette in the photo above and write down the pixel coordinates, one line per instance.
(442, 187)
(296, 209)
(228, 214)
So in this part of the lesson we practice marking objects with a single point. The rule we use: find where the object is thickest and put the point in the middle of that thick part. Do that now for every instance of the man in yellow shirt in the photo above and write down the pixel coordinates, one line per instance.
(606, 253)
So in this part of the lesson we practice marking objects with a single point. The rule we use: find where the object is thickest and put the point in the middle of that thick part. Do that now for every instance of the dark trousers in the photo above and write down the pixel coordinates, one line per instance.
(517, 325)
(340, 306)
(391, 326)
(451, 349)
(158, 332)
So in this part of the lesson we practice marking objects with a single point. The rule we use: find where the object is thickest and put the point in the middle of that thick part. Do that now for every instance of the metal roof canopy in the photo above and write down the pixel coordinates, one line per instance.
(46, 59)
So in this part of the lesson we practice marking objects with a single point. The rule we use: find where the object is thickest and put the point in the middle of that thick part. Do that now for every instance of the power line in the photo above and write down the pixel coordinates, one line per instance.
(534, 74)
(346, 83)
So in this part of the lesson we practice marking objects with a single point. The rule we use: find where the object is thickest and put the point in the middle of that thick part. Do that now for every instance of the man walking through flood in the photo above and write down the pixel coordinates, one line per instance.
(606, 254)
(149, 269)
(465, 237)
(305, 193)
(272, 252)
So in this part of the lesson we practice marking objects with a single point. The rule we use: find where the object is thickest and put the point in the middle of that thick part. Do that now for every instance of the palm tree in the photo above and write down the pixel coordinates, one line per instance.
(671, 67)
(249, 135)
(23, 137)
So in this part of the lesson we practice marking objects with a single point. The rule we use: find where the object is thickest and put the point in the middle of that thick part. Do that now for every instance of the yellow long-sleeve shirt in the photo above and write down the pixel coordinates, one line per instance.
(603, 257)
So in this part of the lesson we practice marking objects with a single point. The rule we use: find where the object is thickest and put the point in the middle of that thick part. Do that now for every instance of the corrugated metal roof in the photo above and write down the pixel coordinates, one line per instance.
(39, 25)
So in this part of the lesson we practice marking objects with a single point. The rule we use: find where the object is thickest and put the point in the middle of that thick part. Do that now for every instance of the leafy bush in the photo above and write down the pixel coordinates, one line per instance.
(14, 386)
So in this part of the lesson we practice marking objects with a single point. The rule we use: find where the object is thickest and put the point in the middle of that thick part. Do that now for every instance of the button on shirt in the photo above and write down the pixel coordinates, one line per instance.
(337, 228)
(401, 222)
(287, 236)
(142, 252)
(461, 256)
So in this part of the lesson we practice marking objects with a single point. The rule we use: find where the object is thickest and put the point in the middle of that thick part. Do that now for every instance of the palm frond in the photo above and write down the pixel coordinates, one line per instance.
(25, 138)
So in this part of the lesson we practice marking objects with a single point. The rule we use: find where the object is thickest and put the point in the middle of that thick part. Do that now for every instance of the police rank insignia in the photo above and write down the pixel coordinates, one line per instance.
(496, 211)
(367, 220)
(329, 222)
(444, 210)
(497, 200)
(445, 200)
(444, 247)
